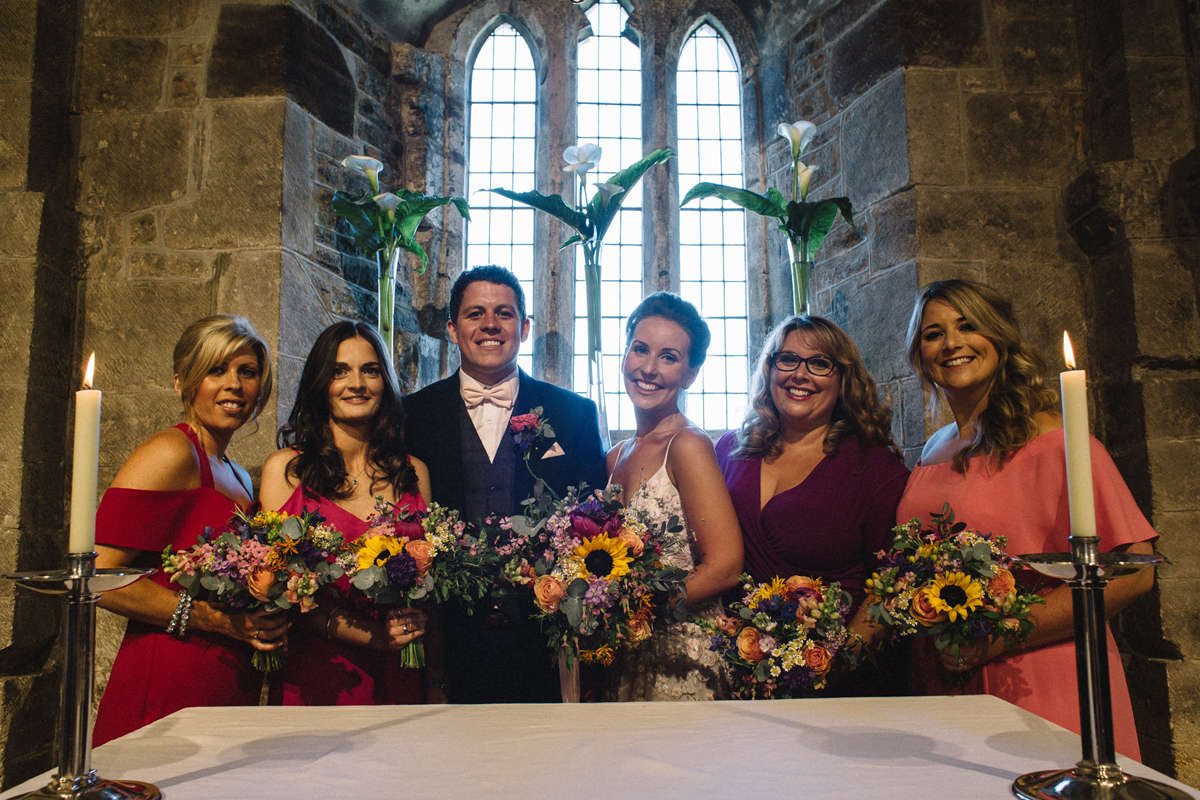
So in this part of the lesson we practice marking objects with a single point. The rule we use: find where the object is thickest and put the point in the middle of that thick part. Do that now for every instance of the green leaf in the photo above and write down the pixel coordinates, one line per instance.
(576, 239)
(361, 218)
(626, 179)
(572, 607)
(763, 205)
(551, 204)
(291, 528)
(577, 588)
(415, 248)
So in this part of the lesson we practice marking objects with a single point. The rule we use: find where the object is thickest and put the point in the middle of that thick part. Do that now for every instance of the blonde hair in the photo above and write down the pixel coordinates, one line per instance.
(209, 342)
(858, 412)
(1018, 390)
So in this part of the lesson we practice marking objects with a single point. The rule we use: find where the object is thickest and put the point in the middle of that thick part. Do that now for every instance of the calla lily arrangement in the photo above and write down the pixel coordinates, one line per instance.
(806, 224)
(590, 218)
(383, 224)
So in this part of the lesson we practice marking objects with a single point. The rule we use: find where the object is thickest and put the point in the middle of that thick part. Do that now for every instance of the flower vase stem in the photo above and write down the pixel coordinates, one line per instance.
(591, 272)
(801, 269)
(413, 655)
(387, 298)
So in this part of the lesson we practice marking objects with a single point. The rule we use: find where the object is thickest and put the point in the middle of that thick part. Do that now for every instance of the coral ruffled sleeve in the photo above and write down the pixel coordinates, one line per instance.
(148, 520)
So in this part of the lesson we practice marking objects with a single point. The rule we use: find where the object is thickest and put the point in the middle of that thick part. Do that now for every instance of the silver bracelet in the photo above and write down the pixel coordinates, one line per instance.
(179, 620)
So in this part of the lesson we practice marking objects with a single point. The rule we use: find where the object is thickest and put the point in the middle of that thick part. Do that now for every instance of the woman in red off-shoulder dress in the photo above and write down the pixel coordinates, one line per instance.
(174, 485)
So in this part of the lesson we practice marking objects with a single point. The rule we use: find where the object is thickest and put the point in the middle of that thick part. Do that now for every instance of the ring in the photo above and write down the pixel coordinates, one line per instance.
(960, 661)
(406, 627)
(256, 633)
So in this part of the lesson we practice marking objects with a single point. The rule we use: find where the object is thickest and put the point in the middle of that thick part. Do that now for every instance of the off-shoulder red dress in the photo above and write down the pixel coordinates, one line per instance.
(155, 673)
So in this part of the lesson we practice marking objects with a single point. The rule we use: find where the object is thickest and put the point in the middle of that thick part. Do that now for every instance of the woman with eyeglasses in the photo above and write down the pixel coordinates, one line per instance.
(814, 475)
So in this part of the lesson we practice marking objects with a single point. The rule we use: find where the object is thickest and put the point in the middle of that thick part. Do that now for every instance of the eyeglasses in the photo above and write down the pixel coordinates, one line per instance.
(819, 366)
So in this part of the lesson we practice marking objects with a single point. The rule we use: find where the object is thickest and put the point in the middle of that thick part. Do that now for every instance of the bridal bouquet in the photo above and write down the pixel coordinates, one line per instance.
(271, 561)
(950, 583)
(595, 569)
(784, 638)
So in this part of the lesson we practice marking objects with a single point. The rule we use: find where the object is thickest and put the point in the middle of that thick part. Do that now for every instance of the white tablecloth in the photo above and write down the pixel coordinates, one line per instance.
(890, 748)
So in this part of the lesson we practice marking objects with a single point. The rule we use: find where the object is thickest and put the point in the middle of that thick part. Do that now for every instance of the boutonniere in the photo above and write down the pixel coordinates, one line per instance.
(532, 432)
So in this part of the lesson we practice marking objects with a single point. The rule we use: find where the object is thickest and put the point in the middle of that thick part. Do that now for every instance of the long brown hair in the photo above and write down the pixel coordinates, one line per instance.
(1018, 391)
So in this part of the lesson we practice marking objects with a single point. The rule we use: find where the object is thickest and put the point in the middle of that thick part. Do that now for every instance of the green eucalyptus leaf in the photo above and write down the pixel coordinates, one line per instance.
(577, 588)
(292, 529)
(572, 608)
(210, 582)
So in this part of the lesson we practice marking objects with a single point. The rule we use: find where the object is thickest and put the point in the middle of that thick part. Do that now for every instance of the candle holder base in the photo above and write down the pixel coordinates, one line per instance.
(94, 788)
(1088, 781)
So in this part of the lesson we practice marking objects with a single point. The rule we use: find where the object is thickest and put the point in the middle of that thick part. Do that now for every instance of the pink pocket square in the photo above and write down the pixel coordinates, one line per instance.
(555, 450)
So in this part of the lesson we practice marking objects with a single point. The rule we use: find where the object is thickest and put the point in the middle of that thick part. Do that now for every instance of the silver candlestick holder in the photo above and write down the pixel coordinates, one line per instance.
(1097, 776)
(81, 584)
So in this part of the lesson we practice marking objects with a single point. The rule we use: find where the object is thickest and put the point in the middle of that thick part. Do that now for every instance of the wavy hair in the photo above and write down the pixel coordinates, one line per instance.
(858, 412)
(319, 465)
(1018, 389)
(211, 341)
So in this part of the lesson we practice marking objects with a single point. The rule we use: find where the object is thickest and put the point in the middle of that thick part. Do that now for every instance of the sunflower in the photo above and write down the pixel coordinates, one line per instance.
(604, 556)
(956, 594)
(766, 591)
(377, 550)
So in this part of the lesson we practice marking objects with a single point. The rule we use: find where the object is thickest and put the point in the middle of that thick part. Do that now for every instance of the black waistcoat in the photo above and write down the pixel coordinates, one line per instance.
(487, 485)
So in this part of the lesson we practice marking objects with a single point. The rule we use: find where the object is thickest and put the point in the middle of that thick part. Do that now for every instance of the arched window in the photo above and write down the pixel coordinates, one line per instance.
(712, 239)
(609, 114)
(501, 151)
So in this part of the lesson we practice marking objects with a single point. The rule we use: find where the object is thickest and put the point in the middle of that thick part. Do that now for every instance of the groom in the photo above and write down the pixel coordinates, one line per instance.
(459, 428)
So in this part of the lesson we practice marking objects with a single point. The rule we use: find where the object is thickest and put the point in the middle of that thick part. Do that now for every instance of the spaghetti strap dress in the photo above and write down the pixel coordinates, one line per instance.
(155, 673)
(1026, 501)
(322, 672)
(677, 662)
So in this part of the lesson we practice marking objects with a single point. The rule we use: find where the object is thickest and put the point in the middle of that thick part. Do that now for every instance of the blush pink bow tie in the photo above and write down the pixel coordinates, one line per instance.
(499, 395)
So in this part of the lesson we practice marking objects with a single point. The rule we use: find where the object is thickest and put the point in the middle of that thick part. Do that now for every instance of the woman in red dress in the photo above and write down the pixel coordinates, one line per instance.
(1001, 466)
(175, 484)
(343, 446)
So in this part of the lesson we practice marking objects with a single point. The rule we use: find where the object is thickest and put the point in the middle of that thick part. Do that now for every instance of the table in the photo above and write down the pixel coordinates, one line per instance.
(894, 748)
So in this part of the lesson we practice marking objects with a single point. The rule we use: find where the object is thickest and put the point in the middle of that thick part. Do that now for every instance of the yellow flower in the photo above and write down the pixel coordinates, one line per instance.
(956, 594)
(601, 655)
(766, 591)
(267, 519)
(378, 549)
(604, 556)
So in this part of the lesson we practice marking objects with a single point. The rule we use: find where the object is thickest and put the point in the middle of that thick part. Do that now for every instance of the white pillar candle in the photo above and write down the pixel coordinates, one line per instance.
(1078, 446)
(85, 465)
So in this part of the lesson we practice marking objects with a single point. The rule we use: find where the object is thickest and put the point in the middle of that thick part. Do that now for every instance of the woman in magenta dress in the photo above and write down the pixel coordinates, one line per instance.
(343, 446)
(174, 485)
(813, 472)
(1001, 466)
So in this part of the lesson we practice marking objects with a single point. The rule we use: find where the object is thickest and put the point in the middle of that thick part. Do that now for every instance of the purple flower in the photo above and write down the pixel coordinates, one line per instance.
(401, 570)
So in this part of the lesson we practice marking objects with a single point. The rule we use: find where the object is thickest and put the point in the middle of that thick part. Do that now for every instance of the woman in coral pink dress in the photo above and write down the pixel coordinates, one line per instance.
(343, 446)
(174, 485)
(1000, 465)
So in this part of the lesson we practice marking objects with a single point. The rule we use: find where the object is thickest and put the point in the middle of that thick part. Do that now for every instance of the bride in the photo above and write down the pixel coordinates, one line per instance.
(670, 469)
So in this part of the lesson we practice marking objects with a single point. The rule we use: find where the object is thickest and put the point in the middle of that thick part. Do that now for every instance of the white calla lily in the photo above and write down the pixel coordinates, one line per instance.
(799, 134)
(388, 202)
(608, 191)
(371, 167)
(582, 158)
(804, 175)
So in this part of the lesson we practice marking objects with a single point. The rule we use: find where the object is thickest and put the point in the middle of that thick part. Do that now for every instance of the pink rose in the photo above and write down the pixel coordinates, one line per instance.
(547, 592)
(261, 581)
(922, 610)
(747, 645)
(419, 550)
(520, 423)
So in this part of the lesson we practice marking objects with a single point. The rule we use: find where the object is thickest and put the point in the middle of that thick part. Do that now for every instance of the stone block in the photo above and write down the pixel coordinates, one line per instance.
(943, 33)
(299, 191)
(980, 80)
(1182, 202)
(1039, 54)
(133, 328)
(874, 143)
(16, 321)
(20, 27)
(942, 269)
(893, 232)
(28, 731)
(412, 66)
(867, 311)
(866, 54)
(151, 264)
(303, 310)
(288, 383)
(20, 223)
(987, 224)
(1175, 472)
(1047, 298)
(829, 272)
(1169, 399)
(1152, 29)
(1180, 543)
(184, 89)
(129, 162)
(120, 75)
(138, 17)
(354, 34)
(240, 198)
(1183, 680)
(935, 149)
(143, 230)
(1131, 197)
(12, 396)
(101, 247)
(1180, 610)
(913, 402)
(1019, 139)
(188, 55)
(1164, 300)
(15, 100)
(249, 285)
(1158, 89)
(131, 417)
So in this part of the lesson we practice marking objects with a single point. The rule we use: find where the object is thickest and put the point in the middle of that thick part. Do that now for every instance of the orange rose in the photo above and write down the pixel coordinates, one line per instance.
(747, 644)
(419, 550)
(261, 581)
(639, 630)
(632, 541)
(800, 582)
(547, 591)
(922, 610)
(1001, 585)
(728, 625)
(817, 659)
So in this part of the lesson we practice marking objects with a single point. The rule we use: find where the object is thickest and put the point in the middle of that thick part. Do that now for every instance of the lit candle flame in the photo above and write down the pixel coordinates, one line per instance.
(90, 372)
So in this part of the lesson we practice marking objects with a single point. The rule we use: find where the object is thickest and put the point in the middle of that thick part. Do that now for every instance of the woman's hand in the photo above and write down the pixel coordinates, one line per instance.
(261, 630)
(971, 655)
(402, 626)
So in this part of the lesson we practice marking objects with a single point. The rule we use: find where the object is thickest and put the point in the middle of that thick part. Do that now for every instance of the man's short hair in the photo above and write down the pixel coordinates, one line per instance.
(491, 273)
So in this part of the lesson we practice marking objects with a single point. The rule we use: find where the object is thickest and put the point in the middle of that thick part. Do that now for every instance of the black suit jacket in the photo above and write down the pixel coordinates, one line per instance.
(433, 433)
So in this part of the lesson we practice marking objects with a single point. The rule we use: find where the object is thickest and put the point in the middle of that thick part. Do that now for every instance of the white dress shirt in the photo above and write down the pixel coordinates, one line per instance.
(490, 420)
